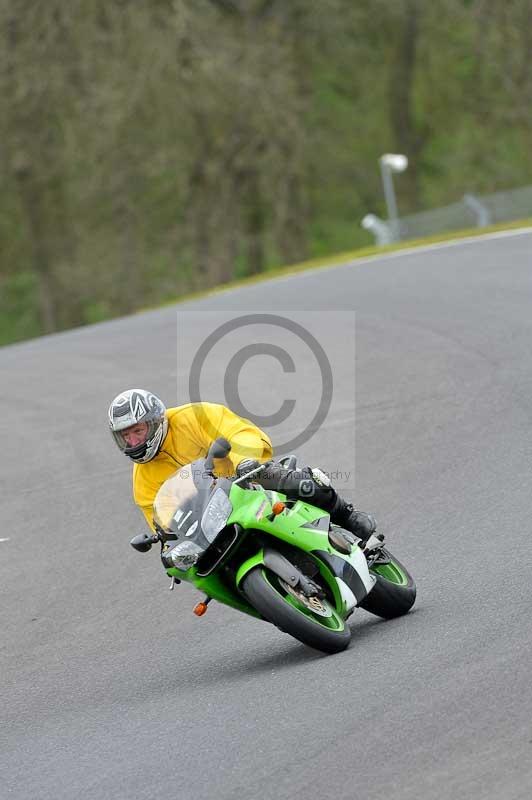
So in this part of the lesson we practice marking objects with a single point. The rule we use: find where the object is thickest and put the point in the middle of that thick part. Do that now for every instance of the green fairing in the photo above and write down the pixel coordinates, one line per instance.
(248, 565)
(235, 580)
(236, 538)
(252, 509)
(214, 588)
(286, 526)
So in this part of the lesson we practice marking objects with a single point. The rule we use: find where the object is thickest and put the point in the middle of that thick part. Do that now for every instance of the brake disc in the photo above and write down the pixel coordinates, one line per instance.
(314, 604)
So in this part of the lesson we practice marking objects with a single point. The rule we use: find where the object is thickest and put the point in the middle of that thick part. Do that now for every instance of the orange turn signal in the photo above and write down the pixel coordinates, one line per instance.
(278, 507)
(200, 609)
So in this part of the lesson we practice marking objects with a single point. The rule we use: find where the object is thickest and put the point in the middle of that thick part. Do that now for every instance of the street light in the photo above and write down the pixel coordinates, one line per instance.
(390, 163)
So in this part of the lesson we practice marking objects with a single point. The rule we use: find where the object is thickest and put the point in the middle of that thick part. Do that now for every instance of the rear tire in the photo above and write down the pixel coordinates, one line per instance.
(266, 594)
(394, 593)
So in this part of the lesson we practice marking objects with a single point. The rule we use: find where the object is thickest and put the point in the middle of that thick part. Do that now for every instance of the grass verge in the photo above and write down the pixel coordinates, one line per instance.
(342, 258)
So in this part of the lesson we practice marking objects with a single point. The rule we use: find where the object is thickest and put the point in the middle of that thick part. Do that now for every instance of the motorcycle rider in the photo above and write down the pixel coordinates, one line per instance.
(159, 441)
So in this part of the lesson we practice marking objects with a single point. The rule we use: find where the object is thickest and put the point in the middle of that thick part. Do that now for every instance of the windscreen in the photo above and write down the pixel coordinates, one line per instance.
(180, 501)
(178, 490)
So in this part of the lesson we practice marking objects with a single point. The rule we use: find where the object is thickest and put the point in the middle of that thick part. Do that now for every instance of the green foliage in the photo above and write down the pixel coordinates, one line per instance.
(18, 308)
(160, 147)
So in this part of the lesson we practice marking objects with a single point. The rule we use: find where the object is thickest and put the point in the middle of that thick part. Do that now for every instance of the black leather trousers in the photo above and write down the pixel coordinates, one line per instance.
(301, 484)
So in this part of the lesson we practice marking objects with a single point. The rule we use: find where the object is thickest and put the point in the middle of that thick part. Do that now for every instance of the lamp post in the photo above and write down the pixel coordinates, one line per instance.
(390, 163)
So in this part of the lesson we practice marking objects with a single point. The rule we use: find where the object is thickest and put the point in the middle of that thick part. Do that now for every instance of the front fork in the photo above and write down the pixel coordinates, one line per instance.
(347, 577)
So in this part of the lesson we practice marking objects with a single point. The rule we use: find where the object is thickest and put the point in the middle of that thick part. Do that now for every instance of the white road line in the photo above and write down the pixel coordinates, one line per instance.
(357, 262)
(5, 540)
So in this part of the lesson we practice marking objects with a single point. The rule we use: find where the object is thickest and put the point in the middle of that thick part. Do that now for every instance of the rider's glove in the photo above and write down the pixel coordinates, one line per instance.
(247, 465)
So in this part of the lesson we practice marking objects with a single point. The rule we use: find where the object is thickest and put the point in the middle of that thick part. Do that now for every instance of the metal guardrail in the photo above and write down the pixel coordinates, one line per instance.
(471, 211)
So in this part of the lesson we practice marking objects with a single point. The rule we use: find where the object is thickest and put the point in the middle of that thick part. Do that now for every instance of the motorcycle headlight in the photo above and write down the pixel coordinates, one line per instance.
(216, 514)
(184, 555)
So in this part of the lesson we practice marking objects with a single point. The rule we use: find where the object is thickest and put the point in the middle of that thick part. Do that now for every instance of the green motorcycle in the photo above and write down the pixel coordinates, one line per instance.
(272, 557)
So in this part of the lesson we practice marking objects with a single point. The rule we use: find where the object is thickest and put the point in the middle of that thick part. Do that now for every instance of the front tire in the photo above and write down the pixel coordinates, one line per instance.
(394, 593)
(266, 592)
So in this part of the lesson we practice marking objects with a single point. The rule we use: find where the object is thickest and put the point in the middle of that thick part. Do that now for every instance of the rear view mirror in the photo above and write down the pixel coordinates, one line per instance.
(218, 449)
(142, 542)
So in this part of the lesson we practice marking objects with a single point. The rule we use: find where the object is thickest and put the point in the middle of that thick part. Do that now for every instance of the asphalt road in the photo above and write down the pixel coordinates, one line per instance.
(111, 688)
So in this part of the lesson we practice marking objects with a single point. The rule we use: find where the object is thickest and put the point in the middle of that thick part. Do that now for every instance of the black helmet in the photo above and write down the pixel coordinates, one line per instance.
(136, 406)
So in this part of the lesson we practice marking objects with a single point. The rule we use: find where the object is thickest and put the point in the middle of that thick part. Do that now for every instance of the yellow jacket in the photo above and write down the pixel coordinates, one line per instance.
(191, 430)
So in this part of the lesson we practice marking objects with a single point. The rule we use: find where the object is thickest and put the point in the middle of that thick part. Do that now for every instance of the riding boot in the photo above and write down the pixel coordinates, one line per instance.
(357, 522)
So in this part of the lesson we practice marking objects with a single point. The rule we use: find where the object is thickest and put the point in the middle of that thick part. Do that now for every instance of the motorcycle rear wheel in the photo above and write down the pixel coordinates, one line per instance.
(394, 592)
(267, 593)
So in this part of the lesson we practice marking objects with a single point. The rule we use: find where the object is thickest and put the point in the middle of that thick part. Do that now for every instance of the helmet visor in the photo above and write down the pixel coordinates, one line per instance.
(135, 437)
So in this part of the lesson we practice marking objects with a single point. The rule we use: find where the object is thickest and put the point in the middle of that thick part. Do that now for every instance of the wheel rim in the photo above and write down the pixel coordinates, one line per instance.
(391, 572)
(332, 622)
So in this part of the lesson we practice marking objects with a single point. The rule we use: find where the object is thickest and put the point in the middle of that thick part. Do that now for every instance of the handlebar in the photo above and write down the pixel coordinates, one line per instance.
(252, 472)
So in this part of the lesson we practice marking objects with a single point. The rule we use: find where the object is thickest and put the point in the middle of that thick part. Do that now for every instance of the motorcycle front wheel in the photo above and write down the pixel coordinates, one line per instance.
(312, 621)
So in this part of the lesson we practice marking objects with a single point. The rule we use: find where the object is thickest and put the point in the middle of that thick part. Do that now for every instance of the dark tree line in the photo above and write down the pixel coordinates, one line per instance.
(149, 148)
